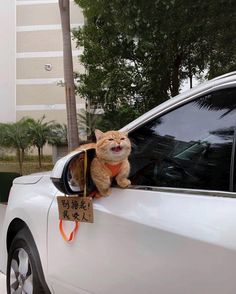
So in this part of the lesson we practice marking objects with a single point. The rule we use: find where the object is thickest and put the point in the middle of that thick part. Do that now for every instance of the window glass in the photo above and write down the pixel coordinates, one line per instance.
(188, 147)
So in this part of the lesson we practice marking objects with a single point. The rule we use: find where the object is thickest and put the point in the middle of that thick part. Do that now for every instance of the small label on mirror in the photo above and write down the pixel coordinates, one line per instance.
(74, 208)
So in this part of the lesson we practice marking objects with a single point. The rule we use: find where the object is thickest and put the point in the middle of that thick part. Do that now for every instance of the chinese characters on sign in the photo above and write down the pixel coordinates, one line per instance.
(75, 208)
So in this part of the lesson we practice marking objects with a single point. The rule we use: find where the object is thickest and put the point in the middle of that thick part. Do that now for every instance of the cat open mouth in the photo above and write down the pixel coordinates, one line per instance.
(116, 149)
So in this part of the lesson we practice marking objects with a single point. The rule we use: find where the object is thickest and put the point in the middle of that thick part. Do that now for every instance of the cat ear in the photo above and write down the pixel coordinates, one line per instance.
(98, 134)
(126, 134)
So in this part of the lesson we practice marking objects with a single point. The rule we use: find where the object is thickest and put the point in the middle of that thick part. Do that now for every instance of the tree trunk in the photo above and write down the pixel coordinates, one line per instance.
(175, 77)
(39, 157)
(19, 156)
(72, 128)
(191, 81)
(23, 155)
(190, 75)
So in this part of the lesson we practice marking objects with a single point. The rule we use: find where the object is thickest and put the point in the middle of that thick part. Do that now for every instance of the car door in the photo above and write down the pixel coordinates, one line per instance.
(173, 230)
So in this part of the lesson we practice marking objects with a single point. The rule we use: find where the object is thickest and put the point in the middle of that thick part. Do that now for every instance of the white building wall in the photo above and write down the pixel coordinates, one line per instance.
(7, 61)
(39, 59)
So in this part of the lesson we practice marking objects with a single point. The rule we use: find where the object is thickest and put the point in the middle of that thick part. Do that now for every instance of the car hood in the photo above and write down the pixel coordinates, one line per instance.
(31, 179)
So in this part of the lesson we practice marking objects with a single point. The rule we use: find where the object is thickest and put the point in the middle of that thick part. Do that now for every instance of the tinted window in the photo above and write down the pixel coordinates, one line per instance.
(189, 147)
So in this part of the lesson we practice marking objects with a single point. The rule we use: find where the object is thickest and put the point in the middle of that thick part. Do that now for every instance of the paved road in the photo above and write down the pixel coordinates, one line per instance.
(2, 284)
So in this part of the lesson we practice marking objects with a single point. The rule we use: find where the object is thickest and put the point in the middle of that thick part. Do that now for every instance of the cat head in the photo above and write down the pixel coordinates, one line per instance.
(112, 145)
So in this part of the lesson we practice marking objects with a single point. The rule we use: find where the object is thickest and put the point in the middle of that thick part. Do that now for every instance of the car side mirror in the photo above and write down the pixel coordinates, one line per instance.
(71, 173)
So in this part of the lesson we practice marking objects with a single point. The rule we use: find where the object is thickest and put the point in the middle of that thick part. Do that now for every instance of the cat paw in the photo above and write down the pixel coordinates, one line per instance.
(105, 193)
(124, 183)
(97, 195)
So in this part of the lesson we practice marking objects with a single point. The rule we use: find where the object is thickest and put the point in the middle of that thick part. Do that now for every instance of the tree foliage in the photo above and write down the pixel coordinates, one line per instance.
(16, 136)
(88, 121)
(29, 132)
(42, 132)
(117, 118)
(137, 52)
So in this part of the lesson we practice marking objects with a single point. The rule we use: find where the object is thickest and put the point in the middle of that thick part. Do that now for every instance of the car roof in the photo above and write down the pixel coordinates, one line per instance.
(229, 74)
(224, 81)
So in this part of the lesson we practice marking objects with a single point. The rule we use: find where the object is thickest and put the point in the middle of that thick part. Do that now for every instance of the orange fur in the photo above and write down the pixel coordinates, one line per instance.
(111, 160)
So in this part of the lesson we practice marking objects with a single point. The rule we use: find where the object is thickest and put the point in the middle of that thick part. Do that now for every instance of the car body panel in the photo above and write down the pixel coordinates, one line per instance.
(142, 238)
(28, 180)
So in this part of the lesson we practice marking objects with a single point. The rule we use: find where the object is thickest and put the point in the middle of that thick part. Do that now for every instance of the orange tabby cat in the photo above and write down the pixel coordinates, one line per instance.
(111, 160)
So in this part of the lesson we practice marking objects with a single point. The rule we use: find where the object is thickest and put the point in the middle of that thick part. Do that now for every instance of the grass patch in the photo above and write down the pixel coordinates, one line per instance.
(28, 158)
(29, 167)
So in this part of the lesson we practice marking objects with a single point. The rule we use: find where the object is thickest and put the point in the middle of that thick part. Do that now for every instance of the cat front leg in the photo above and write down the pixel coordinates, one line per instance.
(103, 184)
(103, 190)
(100, 178)
(122, 177)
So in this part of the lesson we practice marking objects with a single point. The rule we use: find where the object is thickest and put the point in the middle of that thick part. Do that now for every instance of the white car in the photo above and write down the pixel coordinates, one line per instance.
(172, 232)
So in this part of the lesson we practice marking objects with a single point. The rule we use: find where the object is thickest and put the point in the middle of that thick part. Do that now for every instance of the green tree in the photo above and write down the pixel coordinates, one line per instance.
(222, 38)
(41, 132)
(118, 118)
(16, 136)
(58, 135)
(88, 121)
(137, 53)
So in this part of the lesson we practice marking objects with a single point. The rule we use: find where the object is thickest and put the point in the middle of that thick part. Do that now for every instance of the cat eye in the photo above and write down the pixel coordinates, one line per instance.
(111, 139)
(122, 139)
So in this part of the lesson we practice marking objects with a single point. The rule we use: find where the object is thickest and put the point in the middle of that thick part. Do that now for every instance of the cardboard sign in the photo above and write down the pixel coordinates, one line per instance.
(74, 208)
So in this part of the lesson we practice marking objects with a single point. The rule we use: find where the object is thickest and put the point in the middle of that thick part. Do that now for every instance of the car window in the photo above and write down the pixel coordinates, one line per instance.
(188, 147)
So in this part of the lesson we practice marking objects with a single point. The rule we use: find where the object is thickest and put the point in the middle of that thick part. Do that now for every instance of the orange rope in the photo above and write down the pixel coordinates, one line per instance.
(72, 234)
